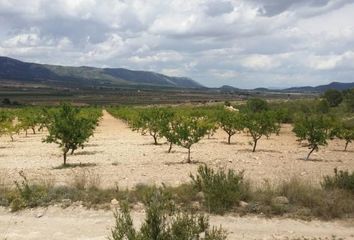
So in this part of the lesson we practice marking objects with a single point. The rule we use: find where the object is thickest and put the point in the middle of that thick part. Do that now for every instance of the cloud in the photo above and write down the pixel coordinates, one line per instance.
(244, 43)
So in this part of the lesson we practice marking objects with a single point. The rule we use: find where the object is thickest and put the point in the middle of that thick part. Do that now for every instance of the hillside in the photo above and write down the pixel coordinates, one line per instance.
(53, 75)
(322, 88)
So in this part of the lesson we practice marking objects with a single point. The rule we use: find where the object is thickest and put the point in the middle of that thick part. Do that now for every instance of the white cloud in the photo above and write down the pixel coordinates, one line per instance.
(237, 42)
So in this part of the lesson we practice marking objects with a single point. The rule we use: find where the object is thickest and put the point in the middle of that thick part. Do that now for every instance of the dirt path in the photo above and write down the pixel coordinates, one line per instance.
(76, 223)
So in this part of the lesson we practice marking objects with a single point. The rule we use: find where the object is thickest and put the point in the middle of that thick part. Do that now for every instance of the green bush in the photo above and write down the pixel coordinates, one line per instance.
(341, 180)
(222, 190)
(163, 222)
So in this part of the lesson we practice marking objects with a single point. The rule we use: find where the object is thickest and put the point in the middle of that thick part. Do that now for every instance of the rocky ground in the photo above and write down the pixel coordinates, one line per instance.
(127, 158)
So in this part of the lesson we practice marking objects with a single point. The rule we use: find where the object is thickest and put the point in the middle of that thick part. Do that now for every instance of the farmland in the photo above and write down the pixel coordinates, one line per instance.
(118, 156)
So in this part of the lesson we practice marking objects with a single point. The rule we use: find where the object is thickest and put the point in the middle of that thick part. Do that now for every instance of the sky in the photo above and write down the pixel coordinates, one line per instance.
(242, 43)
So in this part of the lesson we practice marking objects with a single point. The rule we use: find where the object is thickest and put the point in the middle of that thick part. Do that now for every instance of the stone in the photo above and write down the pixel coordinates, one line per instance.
(200, 196)
(114, 202)
(280, 200)
(66, 203)
(243, 204)
(196, 205)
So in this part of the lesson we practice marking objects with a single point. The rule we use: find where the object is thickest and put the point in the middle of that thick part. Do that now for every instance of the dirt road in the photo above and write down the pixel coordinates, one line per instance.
(77, 223)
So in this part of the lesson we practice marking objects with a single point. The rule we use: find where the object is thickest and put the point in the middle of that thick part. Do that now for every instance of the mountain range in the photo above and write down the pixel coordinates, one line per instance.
(54, 75)
(14, 71)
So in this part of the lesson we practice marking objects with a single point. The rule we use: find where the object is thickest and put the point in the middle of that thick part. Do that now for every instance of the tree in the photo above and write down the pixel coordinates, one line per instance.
(349, 99)
(29, 119)
(313, 129)
(260, 124)
(150, 121)
(69, 129)
(7, 125)
(333, 97)
(230, 122)
(345, 131)
(257, 105)
(190, 130)
(167, 128)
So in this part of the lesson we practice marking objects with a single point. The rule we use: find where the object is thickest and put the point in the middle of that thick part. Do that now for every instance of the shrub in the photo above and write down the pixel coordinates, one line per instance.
(164, 222)
(257, 105)
(222, 190)
(333, 97)
(341, 180)
(28, 195)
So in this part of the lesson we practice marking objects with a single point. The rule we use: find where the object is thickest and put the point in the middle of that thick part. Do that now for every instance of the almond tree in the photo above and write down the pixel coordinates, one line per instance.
(190, 130)
(313, 129)
(344, 131)
(230, 122)
(259, 124)
(69, 129)
(150, 120)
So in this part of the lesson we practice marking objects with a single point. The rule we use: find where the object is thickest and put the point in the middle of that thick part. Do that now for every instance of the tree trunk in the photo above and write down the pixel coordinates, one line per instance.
(229, 139)
(26, 132)
(12, 137)
(308, 156)
(346, 145)
(64, 155)
(169, 150)
(189, 155)
(72, 151)
(155, 139)
(255, 145)
(33, 130)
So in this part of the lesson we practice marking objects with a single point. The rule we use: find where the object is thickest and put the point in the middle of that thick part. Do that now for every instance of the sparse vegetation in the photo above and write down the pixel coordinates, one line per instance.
(164, 221)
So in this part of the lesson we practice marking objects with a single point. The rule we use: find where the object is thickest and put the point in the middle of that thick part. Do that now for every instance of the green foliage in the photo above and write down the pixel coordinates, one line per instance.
(261, 124)
(340, 180)
(152, 121)
(333, 97)
(29, 118)
(69, 128)
(344, 131)
(230, 122)
(349, 99)
(7, 124)
(164, 222)
(257, 105)
(316, 130)
(28, 195)
(190, 130)
(222, 190)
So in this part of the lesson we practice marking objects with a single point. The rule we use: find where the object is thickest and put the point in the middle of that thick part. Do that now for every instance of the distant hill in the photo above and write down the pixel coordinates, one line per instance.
(322, 88)
(306, 89)
(53, 75)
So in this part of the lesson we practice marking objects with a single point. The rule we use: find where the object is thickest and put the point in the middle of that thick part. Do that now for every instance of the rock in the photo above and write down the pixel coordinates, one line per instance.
(40, 214)
(280, 200)
(77, 204)
(139, 207)
(196, 205)
(66, 203)
(114, 202)
(200, 196)
(243, 204)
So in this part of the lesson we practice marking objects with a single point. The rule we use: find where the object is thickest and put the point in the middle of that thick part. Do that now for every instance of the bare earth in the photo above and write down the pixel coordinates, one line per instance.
(127, 158)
